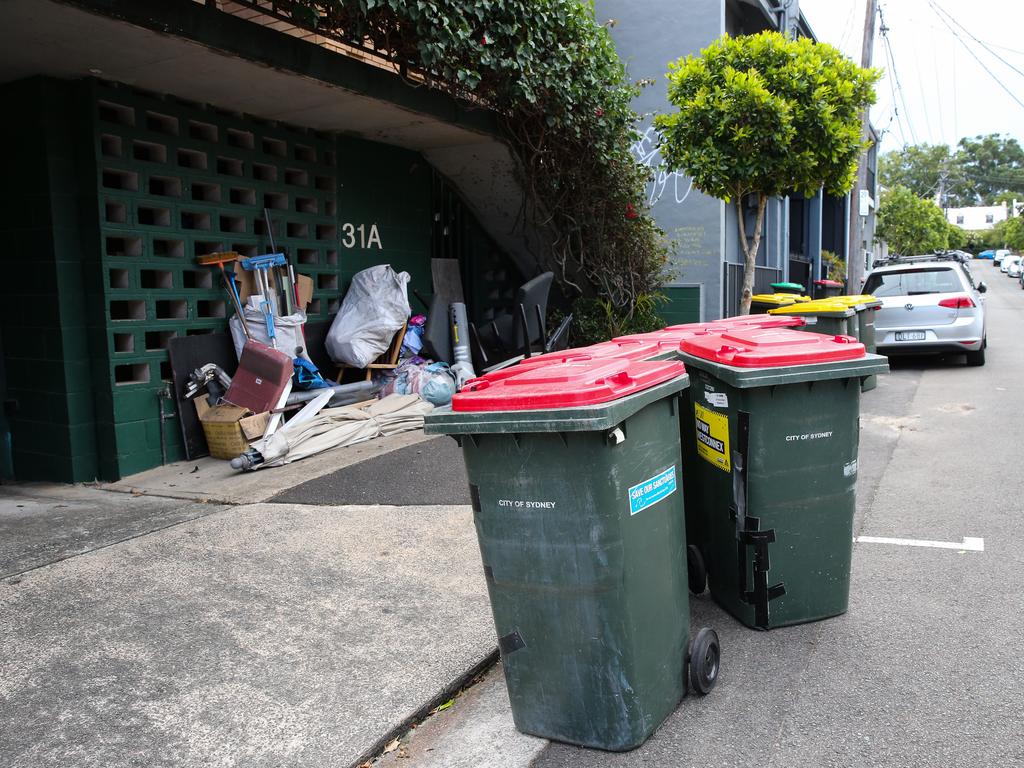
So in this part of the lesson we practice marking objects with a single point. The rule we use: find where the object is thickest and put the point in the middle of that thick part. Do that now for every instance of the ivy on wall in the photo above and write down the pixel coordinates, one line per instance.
(552, 74)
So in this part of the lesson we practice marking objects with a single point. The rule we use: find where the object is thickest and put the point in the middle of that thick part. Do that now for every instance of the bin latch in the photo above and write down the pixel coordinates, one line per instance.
(761, 594)
(749, 533)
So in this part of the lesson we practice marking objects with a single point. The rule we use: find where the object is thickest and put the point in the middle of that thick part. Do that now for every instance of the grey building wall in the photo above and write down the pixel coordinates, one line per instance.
(702, 229)
(648, 36)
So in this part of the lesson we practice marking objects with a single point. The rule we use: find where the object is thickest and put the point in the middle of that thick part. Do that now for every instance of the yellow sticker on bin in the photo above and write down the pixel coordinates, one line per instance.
(712, 437)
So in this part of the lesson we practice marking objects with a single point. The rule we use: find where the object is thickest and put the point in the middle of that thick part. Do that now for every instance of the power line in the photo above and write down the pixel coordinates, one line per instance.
(924, 99)
(1008, 50)
(975, 56)
(895, 103)
(938, 92)
(891, 57)
(956, 108)
(953, 19)
(848, 25)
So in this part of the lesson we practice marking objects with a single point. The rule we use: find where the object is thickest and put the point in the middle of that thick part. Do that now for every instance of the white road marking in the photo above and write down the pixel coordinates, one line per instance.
(969, 543)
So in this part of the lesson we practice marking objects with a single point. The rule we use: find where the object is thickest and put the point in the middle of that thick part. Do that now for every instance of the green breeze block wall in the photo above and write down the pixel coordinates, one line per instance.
(176, 180)
(43, 300)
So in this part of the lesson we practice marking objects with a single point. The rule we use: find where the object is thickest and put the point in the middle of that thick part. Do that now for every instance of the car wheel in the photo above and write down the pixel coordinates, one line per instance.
(977, 358)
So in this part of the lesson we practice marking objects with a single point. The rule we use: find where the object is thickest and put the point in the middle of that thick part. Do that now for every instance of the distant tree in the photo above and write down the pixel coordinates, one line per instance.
(979, 240)
(956, 238)
(764, 115)
(910, 224)
(1009, 234)
(989, 166)
(984, 170)
(918, 167)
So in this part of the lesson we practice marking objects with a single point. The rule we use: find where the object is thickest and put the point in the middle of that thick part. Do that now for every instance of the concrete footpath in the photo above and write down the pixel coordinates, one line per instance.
(177, 618)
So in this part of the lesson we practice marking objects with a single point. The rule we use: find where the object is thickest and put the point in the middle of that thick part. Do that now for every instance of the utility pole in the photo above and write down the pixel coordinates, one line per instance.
(855, 250)
(940, 192)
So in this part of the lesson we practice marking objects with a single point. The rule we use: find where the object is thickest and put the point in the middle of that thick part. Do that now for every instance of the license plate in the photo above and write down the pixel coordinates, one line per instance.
(910, 336)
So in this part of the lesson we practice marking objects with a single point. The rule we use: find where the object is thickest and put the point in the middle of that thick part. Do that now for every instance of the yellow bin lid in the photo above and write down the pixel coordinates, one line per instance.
(823, 307)
(779, 299)
(865, 298)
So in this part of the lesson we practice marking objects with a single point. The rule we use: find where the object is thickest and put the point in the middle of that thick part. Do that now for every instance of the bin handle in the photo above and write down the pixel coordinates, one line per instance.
(475, 385)
(619, 380)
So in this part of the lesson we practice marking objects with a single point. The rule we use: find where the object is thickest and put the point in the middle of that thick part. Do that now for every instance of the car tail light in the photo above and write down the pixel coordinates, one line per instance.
(956, 302)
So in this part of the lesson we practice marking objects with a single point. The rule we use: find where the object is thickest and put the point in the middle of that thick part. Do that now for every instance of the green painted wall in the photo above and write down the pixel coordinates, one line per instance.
(683, 305)
(389, 189)
(117, 192)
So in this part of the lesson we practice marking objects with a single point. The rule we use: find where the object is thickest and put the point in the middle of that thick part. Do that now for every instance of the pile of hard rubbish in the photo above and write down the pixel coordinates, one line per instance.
(277, 406)
(391, 367)
(609, 481)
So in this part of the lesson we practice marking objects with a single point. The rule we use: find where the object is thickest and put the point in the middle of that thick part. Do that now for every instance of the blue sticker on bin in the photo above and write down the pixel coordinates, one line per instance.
(650, 492)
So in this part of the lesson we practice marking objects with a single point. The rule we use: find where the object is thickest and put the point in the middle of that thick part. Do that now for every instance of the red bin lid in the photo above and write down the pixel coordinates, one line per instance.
(772, 348)
(832, 283)
(634, 348)
(577, 382)
(746, 321)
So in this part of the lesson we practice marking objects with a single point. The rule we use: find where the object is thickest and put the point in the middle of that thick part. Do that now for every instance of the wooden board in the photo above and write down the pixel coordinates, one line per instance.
(187, 353)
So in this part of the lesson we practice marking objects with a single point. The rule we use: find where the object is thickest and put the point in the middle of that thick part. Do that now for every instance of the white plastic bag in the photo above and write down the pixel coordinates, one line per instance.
(287, 331)
(375, 307)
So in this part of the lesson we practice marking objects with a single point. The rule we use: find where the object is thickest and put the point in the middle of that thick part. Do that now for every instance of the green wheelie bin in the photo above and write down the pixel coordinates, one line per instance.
(828, 316)
(672, 336)
(865, 306)
(576, 480)
(787, 287)
(772, 457)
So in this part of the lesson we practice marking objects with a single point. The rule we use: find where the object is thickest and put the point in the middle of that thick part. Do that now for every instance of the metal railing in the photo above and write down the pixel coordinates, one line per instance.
(733, 285)
(276, 16)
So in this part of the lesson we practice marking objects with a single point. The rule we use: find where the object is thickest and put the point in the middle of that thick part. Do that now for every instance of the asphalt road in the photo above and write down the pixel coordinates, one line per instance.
(927, 667)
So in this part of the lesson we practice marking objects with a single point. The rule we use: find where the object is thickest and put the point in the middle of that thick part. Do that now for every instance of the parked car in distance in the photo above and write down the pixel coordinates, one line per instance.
(1013, 268)
(930, 305)
(1001, 253)
(1007, 262)
(990, 254)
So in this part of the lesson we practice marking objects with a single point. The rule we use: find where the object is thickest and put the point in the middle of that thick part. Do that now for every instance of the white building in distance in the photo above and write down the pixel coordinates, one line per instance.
(979, 216)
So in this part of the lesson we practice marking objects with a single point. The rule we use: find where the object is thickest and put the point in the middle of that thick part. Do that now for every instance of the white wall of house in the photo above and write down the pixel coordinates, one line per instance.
(979, 216)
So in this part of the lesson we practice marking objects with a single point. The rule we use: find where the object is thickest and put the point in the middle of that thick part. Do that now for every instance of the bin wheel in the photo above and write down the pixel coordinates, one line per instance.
(705, 661)
(697, 572)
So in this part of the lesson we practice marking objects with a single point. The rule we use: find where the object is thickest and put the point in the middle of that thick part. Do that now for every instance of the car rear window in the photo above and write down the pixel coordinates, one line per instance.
(913, 282)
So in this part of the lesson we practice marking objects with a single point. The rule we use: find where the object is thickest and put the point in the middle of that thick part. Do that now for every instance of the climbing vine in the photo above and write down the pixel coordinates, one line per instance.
(552, 74)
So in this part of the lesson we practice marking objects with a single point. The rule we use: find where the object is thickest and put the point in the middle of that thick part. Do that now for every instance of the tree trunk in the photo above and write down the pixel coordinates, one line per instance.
(749, 249)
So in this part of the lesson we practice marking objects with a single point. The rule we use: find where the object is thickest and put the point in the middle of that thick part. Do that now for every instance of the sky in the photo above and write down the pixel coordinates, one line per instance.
(940, 91)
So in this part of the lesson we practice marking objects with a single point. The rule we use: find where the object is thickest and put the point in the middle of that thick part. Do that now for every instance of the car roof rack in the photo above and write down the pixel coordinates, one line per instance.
(937, 256)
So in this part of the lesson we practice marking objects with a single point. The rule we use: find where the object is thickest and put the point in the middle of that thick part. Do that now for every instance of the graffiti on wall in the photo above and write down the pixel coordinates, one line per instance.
(676, 183)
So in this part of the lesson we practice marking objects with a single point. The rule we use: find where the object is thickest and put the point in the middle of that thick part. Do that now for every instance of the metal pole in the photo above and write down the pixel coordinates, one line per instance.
(855, 250)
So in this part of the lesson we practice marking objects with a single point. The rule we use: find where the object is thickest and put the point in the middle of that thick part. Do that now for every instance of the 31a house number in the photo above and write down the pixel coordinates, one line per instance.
(359, 235)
